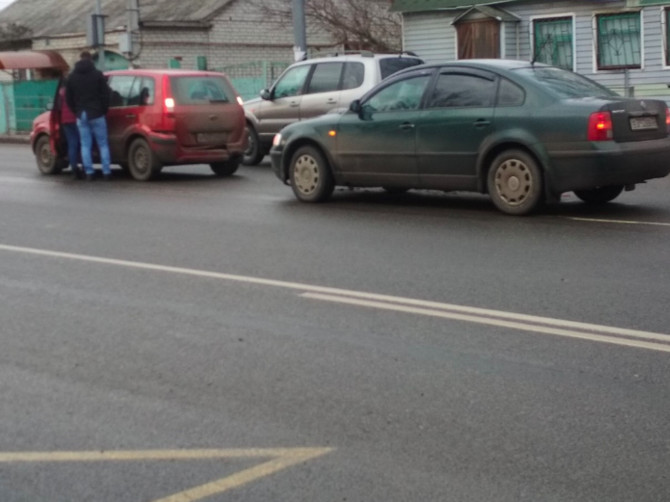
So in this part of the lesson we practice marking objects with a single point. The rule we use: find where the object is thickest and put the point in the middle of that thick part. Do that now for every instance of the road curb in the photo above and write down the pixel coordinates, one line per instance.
(15, 138)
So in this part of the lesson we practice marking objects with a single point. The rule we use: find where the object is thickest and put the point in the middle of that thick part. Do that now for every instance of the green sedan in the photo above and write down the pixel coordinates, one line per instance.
(523, 133)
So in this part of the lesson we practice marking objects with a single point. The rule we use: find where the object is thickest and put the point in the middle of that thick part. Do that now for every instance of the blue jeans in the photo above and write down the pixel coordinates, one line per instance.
(89, 129)
(72, 136)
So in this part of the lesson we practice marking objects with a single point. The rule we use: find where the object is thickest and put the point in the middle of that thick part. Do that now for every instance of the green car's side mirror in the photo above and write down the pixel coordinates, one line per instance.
(355, 106)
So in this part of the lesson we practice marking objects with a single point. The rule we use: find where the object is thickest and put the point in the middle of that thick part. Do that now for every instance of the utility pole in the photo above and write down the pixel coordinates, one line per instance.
(127, 43)
(299, 32)
(100, 23)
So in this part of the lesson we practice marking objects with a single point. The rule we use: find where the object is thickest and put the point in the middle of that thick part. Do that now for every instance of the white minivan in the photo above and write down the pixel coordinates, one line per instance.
(313, 87)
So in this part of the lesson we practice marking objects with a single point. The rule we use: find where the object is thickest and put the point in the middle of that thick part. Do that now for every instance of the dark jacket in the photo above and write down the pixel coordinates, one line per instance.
(87, 90)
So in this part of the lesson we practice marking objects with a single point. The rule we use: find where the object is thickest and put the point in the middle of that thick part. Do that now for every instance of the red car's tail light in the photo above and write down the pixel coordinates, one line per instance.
(600, 126)
(667, 118)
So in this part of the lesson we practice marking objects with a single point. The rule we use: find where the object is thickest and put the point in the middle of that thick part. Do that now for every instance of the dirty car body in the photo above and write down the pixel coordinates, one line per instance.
(159, 118)
(523, 133)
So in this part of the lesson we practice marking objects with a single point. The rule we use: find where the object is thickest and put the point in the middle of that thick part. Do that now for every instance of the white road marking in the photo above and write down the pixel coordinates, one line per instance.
(535, 328)
(621, 222)
(524, 322)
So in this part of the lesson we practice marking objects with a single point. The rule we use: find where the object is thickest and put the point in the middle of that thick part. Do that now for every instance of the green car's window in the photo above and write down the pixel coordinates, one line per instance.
(292, 82)
(325, 78)
(510, 94)
(460, 90)
(402, 95)
(566, 84)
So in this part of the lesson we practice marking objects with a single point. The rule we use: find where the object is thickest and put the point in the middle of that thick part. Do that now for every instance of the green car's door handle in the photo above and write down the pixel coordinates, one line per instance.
(482, 123)
(406, 126)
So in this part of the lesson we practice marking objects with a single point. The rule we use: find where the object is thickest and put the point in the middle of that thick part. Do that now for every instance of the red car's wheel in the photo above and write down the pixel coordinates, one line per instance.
(47, 162)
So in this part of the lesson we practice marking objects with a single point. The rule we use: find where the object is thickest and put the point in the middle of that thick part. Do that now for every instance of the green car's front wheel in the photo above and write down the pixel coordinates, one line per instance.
(515, 183)
(309, 172)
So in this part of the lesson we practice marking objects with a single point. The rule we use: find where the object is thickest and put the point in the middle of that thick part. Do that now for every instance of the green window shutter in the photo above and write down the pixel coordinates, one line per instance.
(174, 63)
(619, 43)
(553, 42)
(202, 62)
(666, 14)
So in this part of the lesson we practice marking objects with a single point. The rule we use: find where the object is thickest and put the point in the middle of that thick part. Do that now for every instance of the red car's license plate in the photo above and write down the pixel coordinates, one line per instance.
(643, 123)
(208, 137)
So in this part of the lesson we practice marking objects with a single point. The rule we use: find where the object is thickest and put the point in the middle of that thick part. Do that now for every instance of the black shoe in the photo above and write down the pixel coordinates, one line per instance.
(107, 177)
(89, 177)
(76, 173)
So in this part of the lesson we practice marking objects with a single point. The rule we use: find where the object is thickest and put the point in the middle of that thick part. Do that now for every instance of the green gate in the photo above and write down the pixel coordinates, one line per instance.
(250, 78)
(31, 97)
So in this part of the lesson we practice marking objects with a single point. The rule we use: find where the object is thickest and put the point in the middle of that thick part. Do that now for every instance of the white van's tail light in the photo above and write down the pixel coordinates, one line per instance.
(276, 141)
(169, 104)
(600, 127)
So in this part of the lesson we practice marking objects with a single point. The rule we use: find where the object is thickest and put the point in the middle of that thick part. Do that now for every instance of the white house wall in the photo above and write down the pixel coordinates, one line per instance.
(432, 36)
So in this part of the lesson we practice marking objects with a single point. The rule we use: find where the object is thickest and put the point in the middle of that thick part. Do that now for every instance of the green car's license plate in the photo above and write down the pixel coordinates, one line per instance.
(643, 123)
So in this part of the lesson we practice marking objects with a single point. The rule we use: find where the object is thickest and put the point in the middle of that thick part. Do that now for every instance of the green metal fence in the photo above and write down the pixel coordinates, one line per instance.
(250, 78)
(31, 98)
(7, 122)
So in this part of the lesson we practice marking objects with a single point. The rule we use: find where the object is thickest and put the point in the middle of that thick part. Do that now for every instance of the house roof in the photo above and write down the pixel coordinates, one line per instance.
(429, 5)
(57, 17)
(492, 12)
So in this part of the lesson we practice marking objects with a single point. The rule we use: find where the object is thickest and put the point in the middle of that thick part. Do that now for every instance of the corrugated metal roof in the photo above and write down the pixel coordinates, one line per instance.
(428, 5)
(55, 17)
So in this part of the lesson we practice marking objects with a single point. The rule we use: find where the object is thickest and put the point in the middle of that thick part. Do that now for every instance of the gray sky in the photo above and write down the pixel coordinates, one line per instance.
(3, 4)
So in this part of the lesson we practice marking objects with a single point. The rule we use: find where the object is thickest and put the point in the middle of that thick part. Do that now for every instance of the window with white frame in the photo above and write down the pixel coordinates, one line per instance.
(666, 22)
(619, 40)
(552, 41)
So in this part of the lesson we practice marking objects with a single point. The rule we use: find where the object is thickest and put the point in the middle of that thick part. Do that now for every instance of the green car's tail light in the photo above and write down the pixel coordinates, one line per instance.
(600, 126)
(667, 118)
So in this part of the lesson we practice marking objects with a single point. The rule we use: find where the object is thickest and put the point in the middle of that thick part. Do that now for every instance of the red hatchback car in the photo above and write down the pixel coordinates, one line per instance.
(159, 118)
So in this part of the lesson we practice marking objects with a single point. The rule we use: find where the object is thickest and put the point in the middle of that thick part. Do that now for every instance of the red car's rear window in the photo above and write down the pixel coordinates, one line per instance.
(201, 90)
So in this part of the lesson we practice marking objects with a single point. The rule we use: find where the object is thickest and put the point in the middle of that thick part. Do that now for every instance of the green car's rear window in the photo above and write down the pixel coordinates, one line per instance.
(566, 84)
(201, 90)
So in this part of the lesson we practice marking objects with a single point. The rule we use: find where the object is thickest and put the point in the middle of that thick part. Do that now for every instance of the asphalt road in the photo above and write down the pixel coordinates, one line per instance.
(197, 338)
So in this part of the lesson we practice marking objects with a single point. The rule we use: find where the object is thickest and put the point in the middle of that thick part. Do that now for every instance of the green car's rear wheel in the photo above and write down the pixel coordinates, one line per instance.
(600, 195)
(311, 179)
(515, 183)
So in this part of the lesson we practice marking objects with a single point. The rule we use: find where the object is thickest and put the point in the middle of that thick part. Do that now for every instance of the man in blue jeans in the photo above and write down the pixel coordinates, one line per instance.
(87, 94)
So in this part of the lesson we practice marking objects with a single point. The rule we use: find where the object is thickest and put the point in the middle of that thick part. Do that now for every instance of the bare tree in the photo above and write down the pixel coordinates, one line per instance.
(352, 24)
(14, 36)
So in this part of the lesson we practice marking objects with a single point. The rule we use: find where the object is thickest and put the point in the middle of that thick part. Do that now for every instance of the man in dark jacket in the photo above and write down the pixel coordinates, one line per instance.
(87, 94)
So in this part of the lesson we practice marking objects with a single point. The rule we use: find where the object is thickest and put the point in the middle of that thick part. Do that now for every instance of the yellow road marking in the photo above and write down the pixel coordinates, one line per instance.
(621, 222)
(281, 458)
